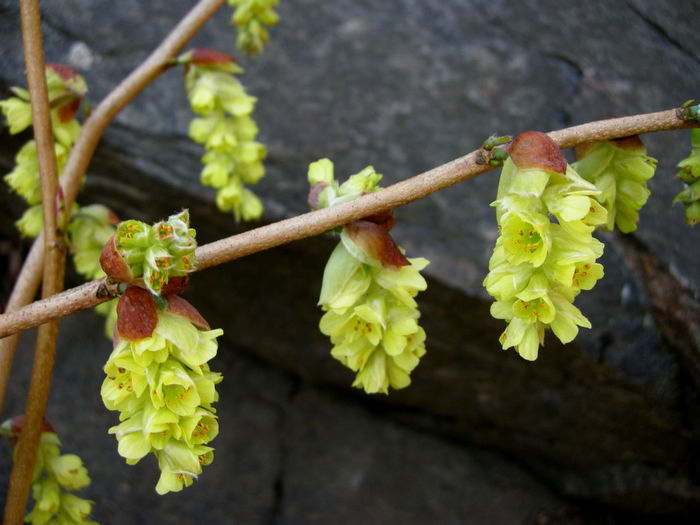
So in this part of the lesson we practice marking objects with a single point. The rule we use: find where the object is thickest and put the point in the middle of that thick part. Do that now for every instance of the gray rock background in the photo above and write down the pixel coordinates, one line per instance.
(602, 430)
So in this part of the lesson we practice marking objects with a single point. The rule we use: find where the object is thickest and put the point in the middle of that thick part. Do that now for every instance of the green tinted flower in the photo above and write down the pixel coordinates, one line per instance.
(76, 509)
(88, 231)
(17, 112)
(369, 289)
(24, 179)
(525, 237)
(54, 475)
(620, 170)
(533, 303)
(69, 471)
(327, 192)
(505, 280)
(126, 382)
(524, 337)
(31, 221)
(689, 173)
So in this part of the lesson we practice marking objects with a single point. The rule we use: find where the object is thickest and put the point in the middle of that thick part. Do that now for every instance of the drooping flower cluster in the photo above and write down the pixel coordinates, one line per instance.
(251, 18)
(65, 89)
(55, 476)
(234, 158)
(689, 173)
(90, 226)
(538, 267)
(620, 169)
(157, 253)
(159, 380)
(368, 290)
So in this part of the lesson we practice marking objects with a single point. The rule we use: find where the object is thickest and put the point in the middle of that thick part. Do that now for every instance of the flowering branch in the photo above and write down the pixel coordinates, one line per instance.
(314, 223)
(54, 265)
(81, 154)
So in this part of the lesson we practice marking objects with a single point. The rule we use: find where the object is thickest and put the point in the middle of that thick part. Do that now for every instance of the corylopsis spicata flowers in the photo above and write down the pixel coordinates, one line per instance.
(368, 290)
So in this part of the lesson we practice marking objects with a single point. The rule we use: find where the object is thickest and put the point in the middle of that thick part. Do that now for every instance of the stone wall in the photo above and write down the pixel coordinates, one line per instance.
(481, 435)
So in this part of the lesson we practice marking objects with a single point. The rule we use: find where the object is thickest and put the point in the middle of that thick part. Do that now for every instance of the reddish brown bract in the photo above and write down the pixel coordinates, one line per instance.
(16, 428)
(113, 264)
(175, 285)
(535, 150)
(181, 308)
(137, 314)
(68, 110)
(66, 73)
(631, 142)
(375, 241)
(209, 57)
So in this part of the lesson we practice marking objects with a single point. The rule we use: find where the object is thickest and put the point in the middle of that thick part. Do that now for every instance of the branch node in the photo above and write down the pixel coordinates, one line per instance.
(107, 289)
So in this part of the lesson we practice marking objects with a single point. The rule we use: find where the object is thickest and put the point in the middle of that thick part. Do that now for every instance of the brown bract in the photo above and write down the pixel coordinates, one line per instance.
(182, 308)
(66, 73)
(209, 57)
(175, 285)
(67, 111)
(113, 264)
(584, 149)
(631, 142)
(535, 150)
(137, 314)
(375, 241)
(314, 192)
(385, 219)
(16, 428)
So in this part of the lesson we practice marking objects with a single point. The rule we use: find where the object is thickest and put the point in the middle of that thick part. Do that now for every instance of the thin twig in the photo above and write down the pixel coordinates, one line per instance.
(84, 148)
(54, 261)
(157, 62)
(316, 222)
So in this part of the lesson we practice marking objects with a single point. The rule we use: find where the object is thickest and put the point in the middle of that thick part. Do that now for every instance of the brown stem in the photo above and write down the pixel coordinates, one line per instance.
(85, 146)
(54, 259)
(317, 222)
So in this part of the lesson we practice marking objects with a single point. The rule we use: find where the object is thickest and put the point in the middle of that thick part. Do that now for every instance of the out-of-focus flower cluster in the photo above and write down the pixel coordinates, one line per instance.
(252, 18)
(89, 229)
(234, 158)
(66, 89)
(55, 476)
(689, 173)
